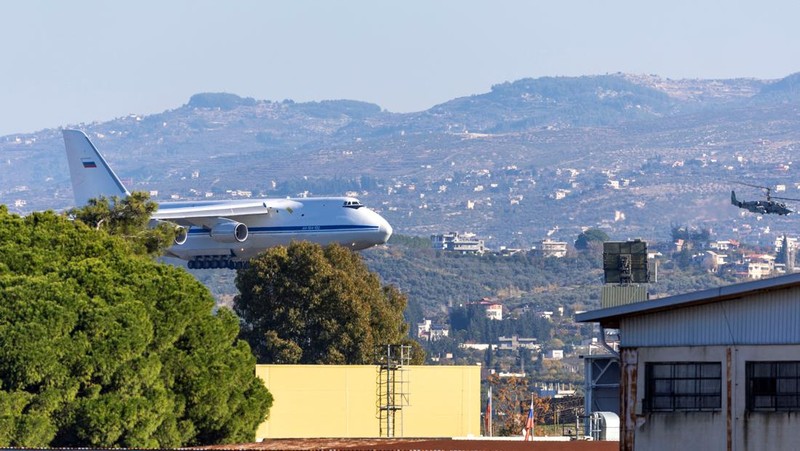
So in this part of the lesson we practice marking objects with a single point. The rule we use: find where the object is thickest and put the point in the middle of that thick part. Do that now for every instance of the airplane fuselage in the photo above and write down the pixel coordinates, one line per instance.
(227, 233)
(323, 220)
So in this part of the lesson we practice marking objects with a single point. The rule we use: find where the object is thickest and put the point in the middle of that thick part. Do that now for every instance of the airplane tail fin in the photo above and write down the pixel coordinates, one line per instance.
(733, 199)
(90, 174)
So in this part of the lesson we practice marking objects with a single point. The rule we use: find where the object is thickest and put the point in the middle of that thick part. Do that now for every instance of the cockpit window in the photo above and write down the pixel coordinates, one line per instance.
(352, 204)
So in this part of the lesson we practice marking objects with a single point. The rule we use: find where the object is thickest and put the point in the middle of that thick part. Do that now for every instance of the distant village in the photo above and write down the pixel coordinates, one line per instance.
(722, 257)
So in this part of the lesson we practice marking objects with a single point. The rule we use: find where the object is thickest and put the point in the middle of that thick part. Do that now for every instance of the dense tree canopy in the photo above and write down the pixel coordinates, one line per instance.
(477, 328)
(308, 304)
(101, 347)
(128, 218)
(590, 236)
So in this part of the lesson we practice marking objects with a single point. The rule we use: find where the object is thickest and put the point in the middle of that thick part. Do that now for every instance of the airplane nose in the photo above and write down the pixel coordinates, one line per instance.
(385, 230)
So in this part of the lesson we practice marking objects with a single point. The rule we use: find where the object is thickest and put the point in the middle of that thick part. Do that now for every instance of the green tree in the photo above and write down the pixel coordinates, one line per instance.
(128, 218)
(786, 255)
(100, 347)
(589, 238)
(693, 237)
(308, 304)
(510, 397)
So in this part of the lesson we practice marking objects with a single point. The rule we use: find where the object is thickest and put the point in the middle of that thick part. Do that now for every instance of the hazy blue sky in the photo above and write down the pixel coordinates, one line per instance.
(66, 62)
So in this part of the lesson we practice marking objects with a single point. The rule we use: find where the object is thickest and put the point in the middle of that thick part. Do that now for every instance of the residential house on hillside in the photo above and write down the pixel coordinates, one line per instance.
(759, 266)
(493, 309)
(458, 243)
(714, 260)
(551, 248)
(515, 342)
(429, 331)
(722, 245)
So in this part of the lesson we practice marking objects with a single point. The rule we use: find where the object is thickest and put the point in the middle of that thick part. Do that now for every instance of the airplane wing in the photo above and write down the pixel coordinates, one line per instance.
(207, 214)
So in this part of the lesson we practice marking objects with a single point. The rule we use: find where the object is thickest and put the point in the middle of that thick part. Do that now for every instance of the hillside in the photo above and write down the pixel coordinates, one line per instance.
(526, 160)
(436, 281)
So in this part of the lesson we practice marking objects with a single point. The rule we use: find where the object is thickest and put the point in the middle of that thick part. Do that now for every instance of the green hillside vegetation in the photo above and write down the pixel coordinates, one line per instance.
(582, 101)
(440, 284)
(438, 280)
(102, 347)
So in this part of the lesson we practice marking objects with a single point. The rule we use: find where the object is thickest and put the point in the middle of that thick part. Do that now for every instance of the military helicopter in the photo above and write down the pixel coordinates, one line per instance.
(762, 207)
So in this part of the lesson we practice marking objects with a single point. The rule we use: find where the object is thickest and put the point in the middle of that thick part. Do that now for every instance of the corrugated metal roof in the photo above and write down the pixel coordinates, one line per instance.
(765, 317)
(610, 317)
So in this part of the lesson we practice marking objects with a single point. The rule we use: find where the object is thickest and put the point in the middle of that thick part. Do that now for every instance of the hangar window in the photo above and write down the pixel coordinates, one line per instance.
(685, 386)
(773, 385)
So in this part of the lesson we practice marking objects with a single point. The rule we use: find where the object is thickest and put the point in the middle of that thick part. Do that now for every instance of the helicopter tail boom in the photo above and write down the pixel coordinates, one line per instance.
(734, 201)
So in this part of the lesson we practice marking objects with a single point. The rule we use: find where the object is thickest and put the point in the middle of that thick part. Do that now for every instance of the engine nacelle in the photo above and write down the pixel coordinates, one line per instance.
(181, 235)
(227, 231)
(181, 232)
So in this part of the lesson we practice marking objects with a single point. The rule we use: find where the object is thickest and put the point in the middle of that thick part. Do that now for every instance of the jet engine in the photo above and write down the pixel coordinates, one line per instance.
(228, 231)
(181, 234)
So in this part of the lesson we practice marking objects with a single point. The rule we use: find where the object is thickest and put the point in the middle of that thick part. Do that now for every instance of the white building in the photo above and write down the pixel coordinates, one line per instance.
(466, 243)
(515, 342)
(494, 310)
(714, 369)
(760, 266)
(722, 245)
(714, 260)
(429, 331)
(552, 248)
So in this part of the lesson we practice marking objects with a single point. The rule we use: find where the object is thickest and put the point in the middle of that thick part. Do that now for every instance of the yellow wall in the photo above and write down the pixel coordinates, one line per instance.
(341, 401)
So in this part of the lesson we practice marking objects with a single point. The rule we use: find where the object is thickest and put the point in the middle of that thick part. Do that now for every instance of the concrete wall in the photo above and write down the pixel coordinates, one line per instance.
(732, 427)
(341, 401)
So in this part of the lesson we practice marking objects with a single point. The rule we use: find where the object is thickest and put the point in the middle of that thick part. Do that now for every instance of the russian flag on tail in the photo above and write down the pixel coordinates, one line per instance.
(88, 163)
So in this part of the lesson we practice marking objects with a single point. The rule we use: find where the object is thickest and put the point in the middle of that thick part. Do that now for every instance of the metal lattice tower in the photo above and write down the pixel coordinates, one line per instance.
(392, 387)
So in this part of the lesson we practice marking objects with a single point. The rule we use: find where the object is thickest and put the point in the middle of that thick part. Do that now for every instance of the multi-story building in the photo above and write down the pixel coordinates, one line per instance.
(429, 331)
(760, 266)
(494, 309)
(458, 243)
(714, 260)
(551, 248)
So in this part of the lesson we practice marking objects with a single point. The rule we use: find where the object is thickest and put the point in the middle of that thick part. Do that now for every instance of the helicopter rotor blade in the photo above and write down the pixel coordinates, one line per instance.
(767, 190)
(754, 186)
(786, 198)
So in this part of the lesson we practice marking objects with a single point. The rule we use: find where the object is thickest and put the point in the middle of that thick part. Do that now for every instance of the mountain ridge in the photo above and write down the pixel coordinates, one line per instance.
(527, 159)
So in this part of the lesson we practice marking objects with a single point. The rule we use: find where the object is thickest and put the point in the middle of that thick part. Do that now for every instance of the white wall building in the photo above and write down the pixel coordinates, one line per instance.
(465, 243)
(551, 248)
(429, 331)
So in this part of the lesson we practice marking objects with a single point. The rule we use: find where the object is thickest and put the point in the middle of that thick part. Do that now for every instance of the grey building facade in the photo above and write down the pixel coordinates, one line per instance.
(714, 369)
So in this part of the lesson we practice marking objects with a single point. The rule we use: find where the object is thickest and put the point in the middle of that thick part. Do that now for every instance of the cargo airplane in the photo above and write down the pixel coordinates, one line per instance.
(227, 233)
